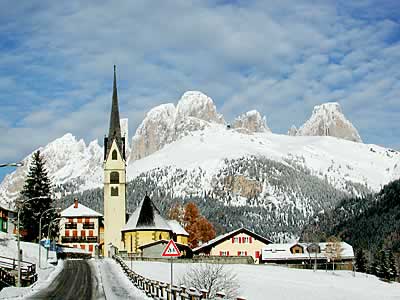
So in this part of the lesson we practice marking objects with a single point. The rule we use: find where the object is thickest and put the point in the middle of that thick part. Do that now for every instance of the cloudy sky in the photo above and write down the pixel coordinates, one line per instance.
(279, 57)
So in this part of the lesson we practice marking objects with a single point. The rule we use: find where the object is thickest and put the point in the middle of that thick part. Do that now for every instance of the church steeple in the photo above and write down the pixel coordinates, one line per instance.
(114, 132)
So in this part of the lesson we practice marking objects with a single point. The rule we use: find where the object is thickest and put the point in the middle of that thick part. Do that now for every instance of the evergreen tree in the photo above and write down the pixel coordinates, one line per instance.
(35, 199)
(360, 261)
(392, 270)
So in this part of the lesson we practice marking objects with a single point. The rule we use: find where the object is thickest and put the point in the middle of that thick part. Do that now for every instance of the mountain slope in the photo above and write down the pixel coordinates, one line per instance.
(370, 222)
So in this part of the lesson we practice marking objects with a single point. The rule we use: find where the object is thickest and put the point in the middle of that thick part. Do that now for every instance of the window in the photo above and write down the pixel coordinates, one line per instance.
(242, 253)
(246, 240)
(114, 155)
(223, 253)
(114, 177)
(114, 191)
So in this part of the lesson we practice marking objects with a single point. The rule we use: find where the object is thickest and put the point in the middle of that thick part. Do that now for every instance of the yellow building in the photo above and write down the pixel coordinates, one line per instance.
(146, 225)
(240, 242)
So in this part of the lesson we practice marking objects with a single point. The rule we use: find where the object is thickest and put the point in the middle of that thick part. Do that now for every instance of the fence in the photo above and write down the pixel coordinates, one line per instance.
(159, 290)
(195, 259)
(9, 268)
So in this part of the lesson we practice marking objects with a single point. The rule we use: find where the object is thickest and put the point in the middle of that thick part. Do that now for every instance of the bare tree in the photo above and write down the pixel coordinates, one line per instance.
(333, 250)
(213, 278)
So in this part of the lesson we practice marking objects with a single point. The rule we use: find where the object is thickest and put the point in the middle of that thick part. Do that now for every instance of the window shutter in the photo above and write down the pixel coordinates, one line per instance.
(233, 240)
(251, 240)
(220, 253)
(240, 240)
(238, 253)
(66, 232)
(245, 253)
(227, 253)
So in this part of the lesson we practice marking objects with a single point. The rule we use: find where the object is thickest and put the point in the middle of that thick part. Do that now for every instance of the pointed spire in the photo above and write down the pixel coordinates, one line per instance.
(115, 127)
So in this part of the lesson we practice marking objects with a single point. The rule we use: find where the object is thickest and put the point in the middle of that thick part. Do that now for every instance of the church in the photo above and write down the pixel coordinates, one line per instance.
(145, 225)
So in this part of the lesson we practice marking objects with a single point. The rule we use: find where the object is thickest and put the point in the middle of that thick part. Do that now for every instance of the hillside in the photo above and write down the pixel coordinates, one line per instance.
(370, 222)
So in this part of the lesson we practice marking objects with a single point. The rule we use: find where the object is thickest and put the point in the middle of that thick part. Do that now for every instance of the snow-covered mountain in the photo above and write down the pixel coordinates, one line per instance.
(251, 121)
(68, 161)
(328, 120)
(167, 123)
(193, 137)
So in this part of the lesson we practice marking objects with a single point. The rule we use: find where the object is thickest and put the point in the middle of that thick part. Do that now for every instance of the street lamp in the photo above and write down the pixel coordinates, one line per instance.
(48, 233)
(17, 164)
(18, 236)
(40, 229)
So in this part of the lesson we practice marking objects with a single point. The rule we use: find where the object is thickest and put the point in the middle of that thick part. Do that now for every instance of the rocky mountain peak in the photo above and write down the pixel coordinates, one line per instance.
(251, 121)
(328, 120)
(198, 105)
(167, 123)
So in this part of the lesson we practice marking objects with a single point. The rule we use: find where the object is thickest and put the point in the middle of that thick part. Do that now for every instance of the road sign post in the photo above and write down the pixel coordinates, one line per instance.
(171, 250)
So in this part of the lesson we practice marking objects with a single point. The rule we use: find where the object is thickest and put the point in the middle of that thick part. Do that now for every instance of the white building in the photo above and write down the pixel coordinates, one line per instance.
(301, 253)
(80, 227)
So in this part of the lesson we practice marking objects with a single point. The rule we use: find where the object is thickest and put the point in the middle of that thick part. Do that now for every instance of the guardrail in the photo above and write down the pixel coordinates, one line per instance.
(159, 290)
(9, 267)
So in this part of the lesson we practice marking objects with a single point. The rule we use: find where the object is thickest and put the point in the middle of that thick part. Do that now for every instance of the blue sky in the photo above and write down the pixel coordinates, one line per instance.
(279, 57)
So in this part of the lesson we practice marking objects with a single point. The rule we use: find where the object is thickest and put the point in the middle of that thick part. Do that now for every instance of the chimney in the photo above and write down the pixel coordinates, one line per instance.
(76, 203)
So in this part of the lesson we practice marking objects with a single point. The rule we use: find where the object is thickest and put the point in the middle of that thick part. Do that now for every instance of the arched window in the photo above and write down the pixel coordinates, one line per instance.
(114, 155)
(114, 191)
(114, 177)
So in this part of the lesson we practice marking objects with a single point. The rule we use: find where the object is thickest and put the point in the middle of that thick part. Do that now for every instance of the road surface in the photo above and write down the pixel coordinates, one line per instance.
(90, 279)
(75, 281)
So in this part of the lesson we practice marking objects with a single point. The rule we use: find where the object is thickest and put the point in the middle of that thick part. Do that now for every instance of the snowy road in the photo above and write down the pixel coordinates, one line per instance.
(73, 282)
(90, 279)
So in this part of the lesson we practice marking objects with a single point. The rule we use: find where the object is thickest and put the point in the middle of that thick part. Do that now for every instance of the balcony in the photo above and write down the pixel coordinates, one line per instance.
(79, 239)
(88, 225)
(70, 225)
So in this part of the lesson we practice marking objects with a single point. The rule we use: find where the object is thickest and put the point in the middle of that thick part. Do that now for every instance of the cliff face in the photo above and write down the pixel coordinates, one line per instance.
(167, 123)
(328, 120)
(251, 121)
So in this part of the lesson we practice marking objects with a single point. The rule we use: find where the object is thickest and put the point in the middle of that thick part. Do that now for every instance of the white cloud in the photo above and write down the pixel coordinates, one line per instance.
(281, 58)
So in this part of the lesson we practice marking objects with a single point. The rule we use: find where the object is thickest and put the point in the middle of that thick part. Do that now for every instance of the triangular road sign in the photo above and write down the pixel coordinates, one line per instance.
(171, 250)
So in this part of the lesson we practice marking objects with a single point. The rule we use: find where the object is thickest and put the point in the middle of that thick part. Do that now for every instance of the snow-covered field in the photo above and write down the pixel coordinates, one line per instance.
(259, 282)
(8, 248)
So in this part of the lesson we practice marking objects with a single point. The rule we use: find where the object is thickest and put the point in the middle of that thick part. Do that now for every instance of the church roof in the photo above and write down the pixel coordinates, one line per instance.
(114, 132)
(177, 228)
(146, 216)
(79, 210)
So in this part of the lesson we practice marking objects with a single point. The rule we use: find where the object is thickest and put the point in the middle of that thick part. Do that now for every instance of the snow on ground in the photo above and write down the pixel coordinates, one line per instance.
(275, 282)
(9, 248)
(115, 283)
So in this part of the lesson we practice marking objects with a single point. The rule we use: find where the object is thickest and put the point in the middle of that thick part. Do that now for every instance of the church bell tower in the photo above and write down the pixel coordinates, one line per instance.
(114, 179)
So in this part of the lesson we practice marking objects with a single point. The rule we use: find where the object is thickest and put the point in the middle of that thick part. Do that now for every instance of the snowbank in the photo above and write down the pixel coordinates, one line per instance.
(9, 248)
(273, 282)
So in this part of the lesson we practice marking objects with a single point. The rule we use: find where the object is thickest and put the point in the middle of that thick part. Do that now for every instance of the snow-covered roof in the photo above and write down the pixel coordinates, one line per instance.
(282, 251)
(162, 242)
(146, 216)
(79, 210)
(177, 228)
(225, 236)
